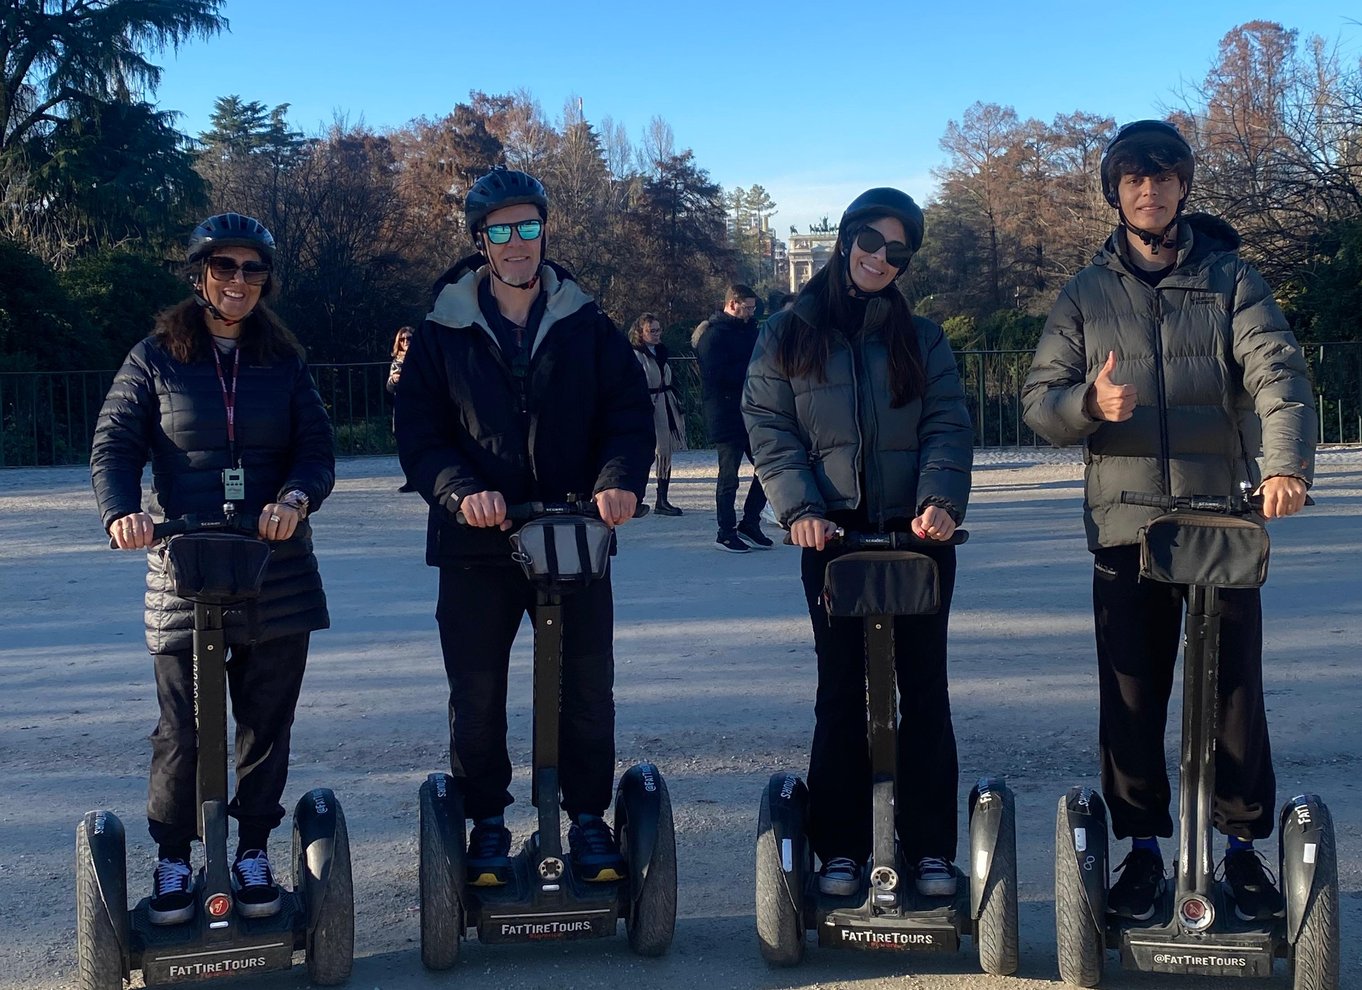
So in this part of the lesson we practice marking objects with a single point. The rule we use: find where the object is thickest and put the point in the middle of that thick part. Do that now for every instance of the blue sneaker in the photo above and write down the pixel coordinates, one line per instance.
(595, 853)
(488, 863)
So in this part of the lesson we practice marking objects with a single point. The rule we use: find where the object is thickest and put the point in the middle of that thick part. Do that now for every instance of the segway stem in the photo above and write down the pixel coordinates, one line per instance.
(883, 735)
(548, 671)
(1200, 718)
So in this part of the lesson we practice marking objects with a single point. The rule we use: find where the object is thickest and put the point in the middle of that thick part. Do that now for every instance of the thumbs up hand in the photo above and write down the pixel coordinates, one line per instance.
(1108, 401)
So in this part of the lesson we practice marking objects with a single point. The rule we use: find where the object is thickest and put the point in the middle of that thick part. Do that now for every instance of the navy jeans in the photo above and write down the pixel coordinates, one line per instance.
(726, 493)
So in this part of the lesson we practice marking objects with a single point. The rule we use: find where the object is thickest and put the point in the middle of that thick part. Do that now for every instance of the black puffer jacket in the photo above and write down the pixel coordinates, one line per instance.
(586, 424)
(724, 351)
(1207, 349)
(172, 414)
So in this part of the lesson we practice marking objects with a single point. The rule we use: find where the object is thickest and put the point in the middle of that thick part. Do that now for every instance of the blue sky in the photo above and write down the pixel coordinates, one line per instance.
(815, 106)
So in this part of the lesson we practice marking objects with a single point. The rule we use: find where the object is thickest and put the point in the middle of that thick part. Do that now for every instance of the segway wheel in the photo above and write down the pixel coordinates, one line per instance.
(99, 955)
(1314, 958)
(442, 920)
(330, 942)
(995, 933)
(1079, 943)
(780, 932)
(651, 920)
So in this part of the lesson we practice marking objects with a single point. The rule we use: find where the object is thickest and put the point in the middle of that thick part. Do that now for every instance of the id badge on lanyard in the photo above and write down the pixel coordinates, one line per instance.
(234, 477)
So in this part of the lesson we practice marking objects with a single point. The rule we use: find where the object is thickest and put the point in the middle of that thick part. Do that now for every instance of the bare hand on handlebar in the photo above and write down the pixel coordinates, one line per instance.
(935, 523)
(484, 510)
(132, 532)
(1282, 495)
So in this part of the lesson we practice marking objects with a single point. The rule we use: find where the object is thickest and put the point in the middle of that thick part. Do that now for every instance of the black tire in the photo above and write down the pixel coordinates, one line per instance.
(995, 933)
(99, 956)
(780, 931)
(651, 921)
(330, 943)
(442, 921)
(1079, 944)
(1315, 956)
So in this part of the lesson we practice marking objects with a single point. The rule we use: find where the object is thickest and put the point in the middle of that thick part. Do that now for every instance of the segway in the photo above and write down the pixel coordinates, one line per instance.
(561, 547)
(885, 579)
(1206, 543)
(216, 564)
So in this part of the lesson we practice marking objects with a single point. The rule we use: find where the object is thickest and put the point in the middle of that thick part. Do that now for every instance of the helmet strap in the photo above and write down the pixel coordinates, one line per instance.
(202, 299)
(1154, 242)
(492, 265)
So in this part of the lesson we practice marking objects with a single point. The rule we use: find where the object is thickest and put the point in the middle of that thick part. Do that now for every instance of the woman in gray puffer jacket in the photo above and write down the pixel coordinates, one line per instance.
(857, 418)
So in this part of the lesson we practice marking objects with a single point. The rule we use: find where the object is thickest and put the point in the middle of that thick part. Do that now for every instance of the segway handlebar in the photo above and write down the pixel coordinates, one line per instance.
(887, 541)
(235, 523)
(1225, 505)
(525, 511)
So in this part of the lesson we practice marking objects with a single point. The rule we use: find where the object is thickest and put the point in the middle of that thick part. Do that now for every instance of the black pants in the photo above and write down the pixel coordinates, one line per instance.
(726, 493)
(263, 682)
(1138, 627)
(839, 762)
(479, 613)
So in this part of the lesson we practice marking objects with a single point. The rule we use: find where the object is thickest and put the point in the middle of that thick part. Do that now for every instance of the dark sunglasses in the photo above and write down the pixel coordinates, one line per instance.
(500, 233)
(870, 240)
(225, 269)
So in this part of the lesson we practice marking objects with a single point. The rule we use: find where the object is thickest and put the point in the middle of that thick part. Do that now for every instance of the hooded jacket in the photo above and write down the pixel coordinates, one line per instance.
(1207, 346)
(836, 444)
(573, 419)
(724, 350)
(172, 414)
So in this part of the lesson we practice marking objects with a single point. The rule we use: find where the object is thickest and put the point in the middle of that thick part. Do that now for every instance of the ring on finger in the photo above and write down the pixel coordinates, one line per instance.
(274, 518)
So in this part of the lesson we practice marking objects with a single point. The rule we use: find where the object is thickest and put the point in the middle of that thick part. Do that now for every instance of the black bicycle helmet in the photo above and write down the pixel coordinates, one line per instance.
(883, 201)
(230, 230)
(1146, 147)
(499, 188)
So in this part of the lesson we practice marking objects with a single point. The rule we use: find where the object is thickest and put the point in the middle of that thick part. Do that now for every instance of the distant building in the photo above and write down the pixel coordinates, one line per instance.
(807, 254)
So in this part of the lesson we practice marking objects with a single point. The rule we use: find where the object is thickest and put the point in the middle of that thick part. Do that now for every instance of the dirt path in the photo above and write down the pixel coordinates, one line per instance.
(714, 682)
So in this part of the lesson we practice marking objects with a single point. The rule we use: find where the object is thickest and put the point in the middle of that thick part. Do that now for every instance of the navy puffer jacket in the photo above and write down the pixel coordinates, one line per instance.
(172, 414)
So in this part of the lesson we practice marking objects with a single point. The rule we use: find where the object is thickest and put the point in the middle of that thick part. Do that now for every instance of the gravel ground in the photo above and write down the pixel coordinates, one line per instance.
(715, 682)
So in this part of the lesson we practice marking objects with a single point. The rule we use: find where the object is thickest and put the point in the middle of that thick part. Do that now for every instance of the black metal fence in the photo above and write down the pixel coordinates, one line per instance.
(48, 417)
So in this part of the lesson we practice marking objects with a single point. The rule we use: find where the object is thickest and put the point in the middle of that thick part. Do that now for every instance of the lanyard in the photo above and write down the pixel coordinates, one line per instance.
(229, 397)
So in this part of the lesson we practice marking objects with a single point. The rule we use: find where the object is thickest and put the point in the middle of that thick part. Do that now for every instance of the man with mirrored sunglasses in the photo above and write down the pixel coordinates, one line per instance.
(518, 388)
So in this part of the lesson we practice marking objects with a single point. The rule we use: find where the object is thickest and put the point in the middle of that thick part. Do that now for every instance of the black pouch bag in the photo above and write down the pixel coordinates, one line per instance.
(217, 568)
(1204, 548)
(882, 582)
(562, 551)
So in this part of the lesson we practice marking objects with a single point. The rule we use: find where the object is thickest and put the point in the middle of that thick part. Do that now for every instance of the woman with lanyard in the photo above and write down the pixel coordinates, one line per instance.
(646, 337)
(219, 401)
(857, 419)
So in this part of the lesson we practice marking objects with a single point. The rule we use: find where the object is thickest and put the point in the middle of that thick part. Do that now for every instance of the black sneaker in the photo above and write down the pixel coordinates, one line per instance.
(666, 509)
(1135, 895)
(1253, 888)
(935, 877)
(257, 895)
(172, 893)
(839, 877)
(754, 537)
(488, 863)
(731, 543)
(595, 853)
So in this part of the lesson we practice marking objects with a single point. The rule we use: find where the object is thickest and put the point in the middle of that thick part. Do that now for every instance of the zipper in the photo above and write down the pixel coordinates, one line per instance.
(1162, 394)
(860, 437)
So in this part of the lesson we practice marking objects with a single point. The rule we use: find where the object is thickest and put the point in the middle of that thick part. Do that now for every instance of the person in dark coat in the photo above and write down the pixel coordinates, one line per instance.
(221, 384)
(519, 388)
(857, 419)
(1168, 359)
(724, 347)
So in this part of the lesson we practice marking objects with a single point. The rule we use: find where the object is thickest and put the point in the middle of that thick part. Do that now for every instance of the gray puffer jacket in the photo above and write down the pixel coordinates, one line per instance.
(813, 441)
(1208, 345)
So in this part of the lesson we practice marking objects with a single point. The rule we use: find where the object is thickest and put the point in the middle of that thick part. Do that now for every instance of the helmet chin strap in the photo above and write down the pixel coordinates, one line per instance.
(202, 300)
(1153, 241)
(491, 264)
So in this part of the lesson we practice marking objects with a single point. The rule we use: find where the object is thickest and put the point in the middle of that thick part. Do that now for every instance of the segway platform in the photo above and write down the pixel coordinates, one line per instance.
(1236, 948)
(919, 924)
(177, 953)
(533, 908)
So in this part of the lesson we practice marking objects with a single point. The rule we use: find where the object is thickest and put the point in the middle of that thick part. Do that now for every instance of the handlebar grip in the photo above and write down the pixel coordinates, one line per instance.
(1149, 499)
(888, 541)
(525, 511)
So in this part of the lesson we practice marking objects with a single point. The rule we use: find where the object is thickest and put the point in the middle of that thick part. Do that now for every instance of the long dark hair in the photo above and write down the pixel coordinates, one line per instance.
(804, 348)
(183, 331)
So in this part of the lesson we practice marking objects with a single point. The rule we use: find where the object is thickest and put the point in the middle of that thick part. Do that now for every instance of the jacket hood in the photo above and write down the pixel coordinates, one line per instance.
(1199, 236)
(456, 296)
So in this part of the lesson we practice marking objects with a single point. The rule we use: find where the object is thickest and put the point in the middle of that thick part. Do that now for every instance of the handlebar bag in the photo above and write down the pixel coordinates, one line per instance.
(875, 582)
(217, 568)
(562, 550)
(1204, 548)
